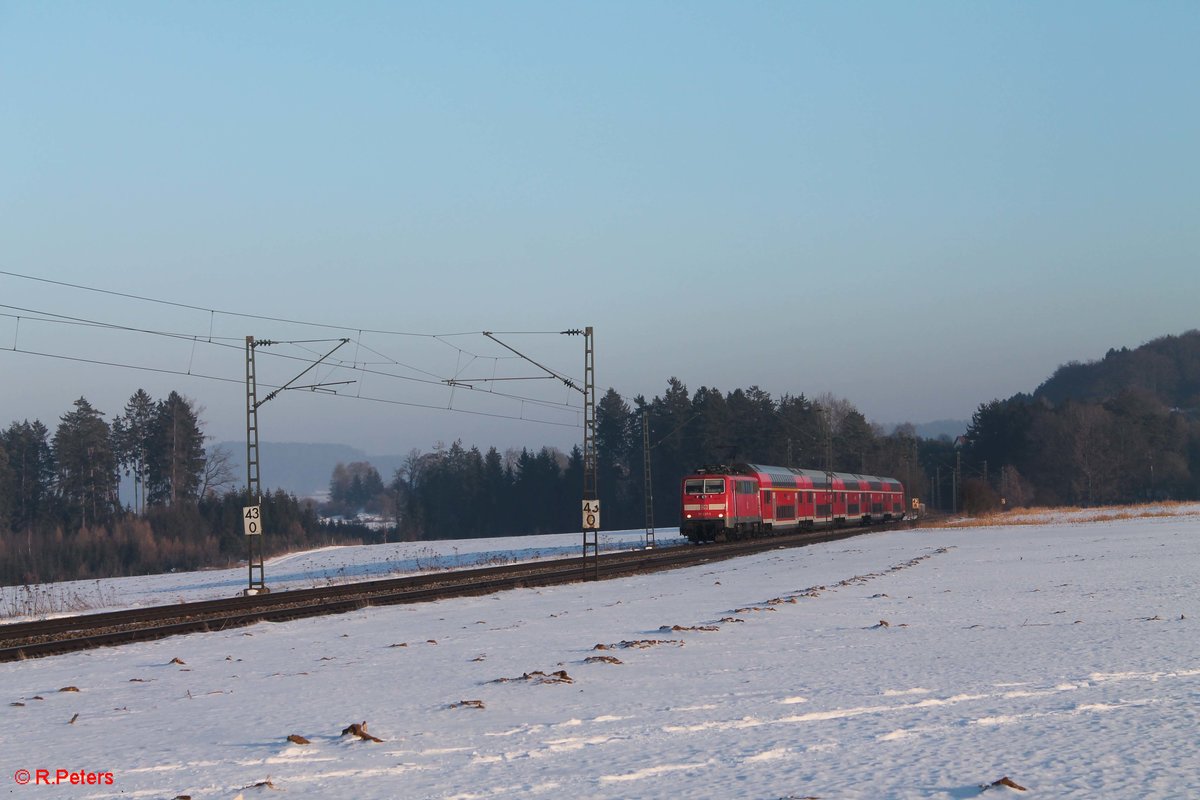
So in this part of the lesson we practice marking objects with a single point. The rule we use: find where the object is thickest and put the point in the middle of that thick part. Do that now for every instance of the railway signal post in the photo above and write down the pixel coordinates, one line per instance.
(252, 522)
(647, 485)
(591, 500)
(257, 583)
(591, 521)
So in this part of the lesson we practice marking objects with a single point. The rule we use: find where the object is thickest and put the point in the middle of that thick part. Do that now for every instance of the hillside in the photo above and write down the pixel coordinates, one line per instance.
(1167, 368)
(303, 468)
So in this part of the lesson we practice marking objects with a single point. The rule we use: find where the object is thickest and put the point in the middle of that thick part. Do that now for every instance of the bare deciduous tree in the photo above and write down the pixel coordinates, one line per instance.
(218, 474)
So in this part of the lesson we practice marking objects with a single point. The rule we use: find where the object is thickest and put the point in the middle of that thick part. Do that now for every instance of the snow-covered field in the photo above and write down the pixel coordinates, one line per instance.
(902, 664)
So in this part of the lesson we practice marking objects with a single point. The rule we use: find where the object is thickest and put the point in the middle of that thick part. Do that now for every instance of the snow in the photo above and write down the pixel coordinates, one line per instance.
(320, 567)
(899, 664)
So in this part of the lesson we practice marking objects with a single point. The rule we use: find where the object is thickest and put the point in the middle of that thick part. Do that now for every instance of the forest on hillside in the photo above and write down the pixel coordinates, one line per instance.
(1122, 429)
(1167, 369)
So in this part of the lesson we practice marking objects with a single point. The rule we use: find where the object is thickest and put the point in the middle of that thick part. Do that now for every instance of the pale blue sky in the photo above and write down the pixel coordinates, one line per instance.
(916, 206)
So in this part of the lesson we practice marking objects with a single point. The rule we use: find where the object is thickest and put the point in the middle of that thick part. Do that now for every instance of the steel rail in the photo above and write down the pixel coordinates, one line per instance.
(132, 616)
(19, 641)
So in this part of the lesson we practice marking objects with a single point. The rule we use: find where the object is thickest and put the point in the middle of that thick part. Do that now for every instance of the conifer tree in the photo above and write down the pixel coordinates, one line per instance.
(175, 466)
(132, 439)
(31, 468)
(87, 466)
(6, 491)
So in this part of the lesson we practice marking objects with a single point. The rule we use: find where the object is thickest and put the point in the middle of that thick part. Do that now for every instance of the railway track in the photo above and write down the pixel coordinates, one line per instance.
(19, 641)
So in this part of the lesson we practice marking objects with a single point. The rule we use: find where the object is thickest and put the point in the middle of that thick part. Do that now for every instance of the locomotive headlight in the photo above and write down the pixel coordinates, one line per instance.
(689, 516)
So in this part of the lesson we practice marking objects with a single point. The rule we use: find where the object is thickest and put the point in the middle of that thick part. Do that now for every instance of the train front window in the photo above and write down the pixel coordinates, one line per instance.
(704, 486)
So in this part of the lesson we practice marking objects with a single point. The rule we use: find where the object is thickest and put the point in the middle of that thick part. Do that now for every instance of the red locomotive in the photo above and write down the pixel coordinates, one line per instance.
(743, 500)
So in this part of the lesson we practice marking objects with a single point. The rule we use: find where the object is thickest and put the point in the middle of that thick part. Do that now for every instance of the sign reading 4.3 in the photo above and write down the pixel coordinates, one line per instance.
(591, 515)
(251, 520)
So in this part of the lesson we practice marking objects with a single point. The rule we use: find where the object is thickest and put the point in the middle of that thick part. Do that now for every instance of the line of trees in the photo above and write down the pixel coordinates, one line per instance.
(61, 515)
(1123, 429)
(1138, 444)
(72, 477)
(1129, 448)
(457, 492)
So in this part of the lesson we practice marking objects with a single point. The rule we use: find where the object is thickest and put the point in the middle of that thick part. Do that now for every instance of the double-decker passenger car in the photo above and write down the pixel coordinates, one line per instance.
(742, 500)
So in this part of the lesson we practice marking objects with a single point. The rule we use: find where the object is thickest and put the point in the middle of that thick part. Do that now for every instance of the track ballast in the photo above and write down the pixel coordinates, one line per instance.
(23, 640)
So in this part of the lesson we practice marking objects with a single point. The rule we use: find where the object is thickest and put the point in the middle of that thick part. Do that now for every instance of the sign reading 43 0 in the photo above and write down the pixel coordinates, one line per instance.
(251, 520)
(591, 515)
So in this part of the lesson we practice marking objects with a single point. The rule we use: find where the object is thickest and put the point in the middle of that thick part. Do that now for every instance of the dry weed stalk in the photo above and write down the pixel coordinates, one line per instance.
(678, 628)
(539, 677)
(468, 704)
(640, 644)
(602, 660)
(1006, 781)
(359, 729)
(1073, 514)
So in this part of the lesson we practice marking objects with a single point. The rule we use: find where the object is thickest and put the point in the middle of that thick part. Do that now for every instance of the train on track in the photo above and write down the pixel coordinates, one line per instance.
(738, 501)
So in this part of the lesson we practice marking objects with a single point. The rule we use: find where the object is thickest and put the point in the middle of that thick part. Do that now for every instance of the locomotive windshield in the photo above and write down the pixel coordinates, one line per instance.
(704, 486)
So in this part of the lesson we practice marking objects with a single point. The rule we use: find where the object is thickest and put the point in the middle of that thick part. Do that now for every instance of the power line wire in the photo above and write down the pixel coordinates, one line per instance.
(142, 368)
(131, 296)
(212, 312)
(228, 342)
(239, 381)
(65, 319)
(432, 380)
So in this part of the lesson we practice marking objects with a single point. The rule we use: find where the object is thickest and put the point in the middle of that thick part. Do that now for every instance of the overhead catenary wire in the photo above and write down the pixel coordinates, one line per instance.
(66, 319)
(244, 315)
(362, 368)
(139, 367)
(440, 337)
(562, 378)
(240, 381)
